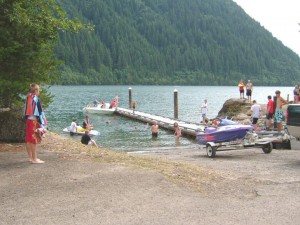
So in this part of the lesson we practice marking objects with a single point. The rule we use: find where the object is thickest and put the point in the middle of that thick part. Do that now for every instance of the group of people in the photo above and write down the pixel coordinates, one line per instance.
(249, 89)
(86, 127)
(274, 110)
(114, 103)
(155, 130)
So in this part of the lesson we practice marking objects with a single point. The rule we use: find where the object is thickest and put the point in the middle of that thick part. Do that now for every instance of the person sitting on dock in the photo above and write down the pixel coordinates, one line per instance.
(177, 130)
(86, 139)
(155, 130)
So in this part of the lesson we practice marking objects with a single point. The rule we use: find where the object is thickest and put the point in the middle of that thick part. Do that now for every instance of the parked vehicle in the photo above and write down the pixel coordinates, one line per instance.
(293, 120)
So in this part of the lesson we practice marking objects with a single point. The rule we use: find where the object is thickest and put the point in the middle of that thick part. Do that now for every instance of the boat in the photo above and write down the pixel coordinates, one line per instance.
(99, 109)
(81, 131)
(226, 131)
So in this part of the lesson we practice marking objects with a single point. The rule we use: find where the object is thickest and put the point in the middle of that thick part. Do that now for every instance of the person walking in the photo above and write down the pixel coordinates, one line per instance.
(204, 109)
(35, 121)
(256, 109)
(279, 114)
(270, 112)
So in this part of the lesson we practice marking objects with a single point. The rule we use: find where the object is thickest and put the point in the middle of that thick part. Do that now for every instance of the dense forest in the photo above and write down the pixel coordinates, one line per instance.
(190, 42)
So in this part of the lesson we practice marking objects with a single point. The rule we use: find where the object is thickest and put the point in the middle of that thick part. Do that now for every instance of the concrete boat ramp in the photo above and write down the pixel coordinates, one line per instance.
(187, 128)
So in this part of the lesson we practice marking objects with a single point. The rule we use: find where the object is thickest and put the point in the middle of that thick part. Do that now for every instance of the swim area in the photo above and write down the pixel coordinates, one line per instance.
(122, 134)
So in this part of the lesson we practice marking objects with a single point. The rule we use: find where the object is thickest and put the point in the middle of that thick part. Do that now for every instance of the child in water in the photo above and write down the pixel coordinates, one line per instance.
(177, 130)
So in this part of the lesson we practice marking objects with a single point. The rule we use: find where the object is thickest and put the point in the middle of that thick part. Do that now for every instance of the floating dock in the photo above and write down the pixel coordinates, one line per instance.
(187, 128)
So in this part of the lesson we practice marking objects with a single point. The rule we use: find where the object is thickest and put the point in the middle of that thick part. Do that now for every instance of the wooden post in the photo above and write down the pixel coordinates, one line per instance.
(130, 99)
(175, 104)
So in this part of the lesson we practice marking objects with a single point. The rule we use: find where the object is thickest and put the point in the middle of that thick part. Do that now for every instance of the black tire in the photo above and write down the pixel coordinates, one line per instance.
(267, 148)
(211, 151)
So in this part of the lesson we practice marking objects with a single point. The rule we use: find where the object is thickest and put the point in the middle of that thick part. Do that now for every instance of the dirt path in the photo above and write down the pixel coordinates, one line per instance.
(247, 187)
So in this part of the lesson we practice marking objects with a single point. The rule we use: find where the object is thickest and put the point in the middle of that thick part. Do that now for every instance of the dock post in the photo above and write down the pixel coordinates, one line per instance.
(130, 99)
(175, 104)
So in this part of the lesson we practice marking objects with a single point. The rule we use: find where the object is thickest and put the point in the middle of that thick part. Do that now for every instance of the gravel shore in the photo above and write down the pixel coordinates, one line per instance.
(81, 185)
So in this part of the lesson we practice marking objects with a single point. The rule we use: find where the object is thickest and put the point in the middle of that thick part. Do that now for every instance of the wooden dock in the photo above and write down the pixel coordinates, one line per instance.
(187, 128)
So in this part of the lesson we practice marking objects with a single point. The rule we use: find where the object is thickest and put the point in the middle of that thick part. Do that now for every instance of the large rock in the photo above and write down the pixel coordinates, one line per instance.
(233, 107)
(12, 126)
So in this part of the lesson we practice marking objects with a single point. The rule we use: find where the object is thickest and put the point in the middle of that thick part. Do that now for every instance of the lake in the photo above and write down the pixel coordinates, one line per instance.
(121, 134)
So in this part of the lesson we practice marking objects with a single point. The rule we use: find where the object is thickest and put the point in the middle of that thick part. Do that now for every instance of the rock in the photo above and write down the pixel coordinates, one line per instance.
(233, 107)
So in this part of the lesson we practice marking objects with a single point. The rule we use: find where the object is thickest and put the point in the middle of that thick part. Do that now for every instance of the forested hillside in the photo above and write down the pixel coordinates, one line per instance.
(190, 42)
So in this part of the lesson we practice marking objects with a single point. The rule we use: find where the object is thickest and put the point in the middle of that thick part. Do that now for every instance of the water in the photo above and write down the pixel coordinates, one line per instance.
(122, 134)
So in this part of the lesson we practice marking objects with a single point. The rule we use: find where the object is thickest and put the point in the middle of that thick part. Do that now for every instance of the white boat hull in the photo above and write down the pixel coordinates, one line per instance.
(99, 110)
(92, 132)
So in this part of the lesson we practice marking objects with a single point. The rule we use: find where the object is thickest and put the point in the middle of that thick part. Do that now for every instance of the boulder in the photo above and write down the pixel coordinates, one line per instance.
(12, 126)
(233, 107)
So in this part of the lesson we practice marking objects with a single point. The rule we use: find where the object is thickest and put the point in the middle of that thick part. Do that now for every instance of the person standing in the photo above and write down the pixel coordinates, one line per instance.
(296, 94)
(241, 89)
(279, 114)
(133, 105)
(249, 90)
(204, 109)
(270, 112)
(177, 132)
(155, 130)
(35, 118)
(256, 109)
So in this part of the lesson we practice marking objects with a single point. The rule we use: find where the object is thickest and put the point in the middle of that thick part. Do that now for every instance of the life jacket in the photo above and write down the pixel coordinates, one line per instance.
(30, 104)
(241, 85)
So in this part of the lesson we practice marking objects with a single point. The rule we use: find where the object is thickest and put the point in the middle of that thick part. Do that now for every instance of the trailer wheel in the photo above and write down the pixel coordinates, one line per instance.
(267, 148)
(211, 151)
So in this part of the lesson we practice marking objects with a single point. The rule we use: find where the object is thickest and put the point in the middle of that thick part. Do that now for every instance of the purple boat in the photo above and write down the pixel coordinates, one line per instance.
(227, 131)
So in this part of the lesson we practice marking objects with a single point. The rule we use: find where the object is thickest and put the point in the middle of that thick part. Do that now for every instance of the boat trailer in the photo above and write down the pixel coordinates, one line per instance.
(264, 140)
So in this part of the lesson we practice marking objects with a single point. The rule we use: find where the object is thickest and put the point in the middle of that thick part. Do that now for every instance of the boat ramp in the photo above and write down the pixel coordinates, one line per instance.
(187, 128)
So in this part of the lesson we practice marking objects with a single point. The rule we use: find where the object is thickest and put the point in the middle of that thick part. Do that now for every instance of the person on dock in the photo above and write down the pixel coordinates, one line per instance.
(204, 109)
(249, 90)
(256, 109)
(241, 89)
(279, 114)
(133, 106)
(270, 112)
(177, 130)
(86, 139)
(155, 130)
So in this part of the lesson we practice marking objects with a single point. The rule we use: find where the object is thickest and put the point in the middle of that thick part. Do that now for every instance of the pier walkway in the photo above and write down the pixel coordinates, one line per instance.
(187, 128)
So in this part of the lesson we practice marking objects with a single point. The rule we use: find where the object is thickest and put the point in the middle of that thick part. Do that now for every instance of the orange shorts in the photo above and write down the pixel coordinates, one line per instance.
(31, 134)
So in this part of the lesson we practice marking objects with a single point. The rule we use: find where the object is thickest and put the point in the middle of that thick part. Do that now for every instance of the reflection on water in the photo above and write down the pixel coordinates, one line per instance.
(119, 133)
